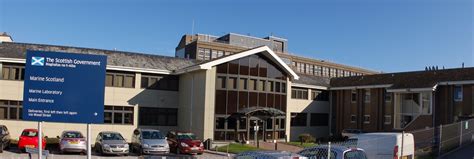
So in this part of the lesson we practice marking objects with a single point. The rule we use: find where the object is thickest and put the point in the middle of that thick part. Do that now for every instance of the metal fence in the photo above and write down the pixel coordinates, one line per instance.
(443, 139)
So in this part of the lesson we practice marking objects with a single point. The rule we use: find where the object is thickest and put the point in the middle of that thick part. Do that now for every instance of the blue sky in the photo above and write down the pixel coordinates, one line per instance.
(384, 35)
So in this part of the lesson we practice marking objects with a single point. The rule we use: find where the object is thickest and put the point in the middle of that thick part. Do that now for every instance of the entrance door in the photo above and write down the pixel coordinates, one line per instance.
(252, 130)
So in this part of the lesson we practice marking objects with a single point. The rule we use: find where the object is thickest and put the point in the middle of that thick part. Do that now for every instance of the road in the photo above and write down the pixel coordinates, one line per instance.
(466, 152)
(14, 154)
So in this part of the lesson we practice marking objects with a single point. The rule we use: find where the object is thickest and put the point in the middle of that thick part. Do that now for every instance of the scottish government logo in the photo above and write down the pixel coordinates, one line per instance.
(37, 61)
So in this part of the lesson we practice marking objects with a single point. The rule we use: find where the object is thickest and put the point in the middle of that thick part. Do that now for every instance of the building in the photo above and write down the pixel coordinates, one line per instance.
(402, 101)
(221, 99)
(205, 47)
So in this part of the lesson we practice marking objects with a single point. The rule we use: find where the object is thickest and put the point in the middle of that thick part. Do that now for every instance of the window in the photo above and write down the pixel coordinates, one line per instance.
(283, 87)
(366, 119)
(13, 72)
(321, 95)
(354, 96)
(299, 93)
(243, 84)
(118, 115)
(367, 96)
(213, 54)
(200, 55)
(317, 70)
(426, 106)
(10, 110)
(319, 119)
(387, 120)
(298, 119)
(458, 93)
(325, 72)
(207, 54)
(158, 116)
(261, 85)
(232, 83)
(277, 87)
(353, 119)
(220, 82)
(170, 83)
(120, 79)
(252, 84)
(388, 97)
(270, 86)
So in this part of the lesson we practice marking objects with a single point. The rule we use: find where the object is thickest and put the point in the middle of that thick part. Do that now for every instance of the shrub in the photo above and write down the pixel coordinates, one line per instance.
(306, 138)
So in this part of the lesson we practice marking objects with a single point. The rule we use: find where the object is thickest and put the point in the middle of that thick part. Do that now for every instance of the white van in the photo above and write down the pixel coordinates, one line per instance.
(386, 145)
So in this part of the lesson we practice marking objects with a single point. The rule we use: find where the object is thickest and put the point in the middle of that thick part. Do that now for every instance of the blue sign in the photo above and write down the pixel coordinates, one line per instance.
(64, 87)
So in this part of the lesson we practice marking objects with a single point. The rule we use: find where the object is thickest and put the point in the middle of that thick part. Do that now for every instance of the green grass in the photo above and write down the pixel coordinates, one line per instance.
(237, 148)
(302, 146)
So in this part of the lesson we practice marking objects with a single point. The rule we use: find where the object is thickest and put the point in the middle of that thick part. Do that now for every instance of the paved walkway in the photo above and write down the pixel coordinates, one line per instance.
(280, 146)
(466, 152)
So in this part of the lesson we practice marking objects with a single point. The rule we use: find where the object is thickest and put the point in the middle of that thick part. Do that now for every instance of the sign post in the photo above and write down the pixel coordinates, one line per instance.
(40, 140)
(64, 87)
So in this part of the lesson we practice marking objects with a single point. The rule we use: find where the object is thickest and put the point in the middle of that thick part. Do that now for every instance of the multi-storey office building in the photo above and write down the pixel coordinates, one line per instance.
(207, 47)
(402, 101)
(220, 99)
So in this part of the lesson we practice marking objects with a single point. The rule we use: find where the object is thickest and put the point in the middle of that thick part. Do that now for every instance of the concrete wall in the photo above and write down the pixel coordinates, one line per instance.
(306, 106)
(196, 104)
(114, 96)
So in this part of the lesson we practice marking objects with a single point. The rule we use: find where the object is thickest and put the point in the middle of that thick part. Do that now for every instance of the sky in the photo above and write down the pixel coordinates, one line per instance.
(381, 35)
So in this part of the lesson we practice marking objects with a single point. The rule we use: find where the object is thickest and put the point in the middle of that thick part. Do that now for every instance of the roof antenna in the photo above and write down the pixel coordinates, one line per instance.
(463, 65)
(192, 28)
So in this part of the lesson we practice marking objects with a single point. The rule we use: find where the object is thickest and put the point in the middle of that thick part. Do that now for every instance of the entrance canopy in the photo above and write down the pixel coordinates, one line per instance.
(258, 111)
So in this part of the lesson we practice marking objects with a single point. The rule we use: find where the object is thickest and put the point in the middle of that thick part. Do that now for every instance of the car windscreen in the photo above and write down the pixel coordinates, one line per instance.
(29, 133)
(355, 154)
(72, 135)
(182, 136)
(112, 136)
(152, 135)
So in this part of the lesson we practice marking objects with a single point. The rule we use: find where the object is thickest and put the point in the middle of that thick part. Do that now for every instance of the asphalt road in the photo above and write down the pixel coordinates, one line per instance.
(15, 154)
(463, 153)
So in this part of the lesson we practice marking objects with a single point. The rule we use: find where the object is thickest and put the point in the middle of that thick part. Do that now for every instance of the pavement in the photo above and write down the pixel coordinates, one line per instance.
(466, 152)
(15, 154)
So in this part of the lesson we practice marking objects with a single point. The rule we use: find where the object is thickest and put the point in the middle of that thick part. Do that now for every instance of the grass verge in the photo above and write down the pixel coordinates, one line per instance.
(237, 148)
(305, 145)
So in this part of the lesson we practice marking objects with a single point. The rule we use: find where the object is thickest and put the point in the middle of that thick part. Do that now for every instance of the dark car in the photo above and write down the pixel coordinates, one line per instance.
(184, 143)
(5, 138)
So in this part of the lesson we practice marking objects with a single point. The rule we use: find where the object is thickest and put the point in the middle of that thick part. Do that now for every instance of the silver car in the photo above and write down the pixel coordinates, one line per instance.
(112, 143)
(149, 141)
(72, 141)
(337, 152)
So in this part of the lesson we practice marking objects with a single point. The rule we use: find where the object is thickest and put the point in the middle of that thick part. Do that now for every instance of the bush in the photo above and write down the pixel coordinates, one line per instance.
(306, 138)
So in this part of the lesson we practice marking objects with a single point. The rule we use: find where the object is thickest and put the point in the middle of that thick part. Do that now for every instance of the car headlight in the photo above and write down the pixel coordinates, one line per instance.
(201, 145)
(145, 145)
(126, 145)
(184, 144)
(106, 146)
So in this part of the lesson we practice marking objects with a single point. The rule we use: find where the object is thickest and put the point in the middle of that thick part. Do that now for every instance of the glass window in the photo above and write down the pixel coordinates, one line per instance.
(367, 96)
(220, 122)
(298, 119)
(149, 116)
(283, 87)
(129, 81)
(118, 115)
(243, 84)
(388, 97)
(232, 83)
(220, 82)
(10, 110)
(270, 86)
(458, 93)
(277, 87)
(387, 119)
(200, 55)
(353, 119)
(366, 119)
(252, 84)
(120, 79)
(207, 54)
(299, 93)
(12, 71)
(354, 96)
(261, 85)
(213, 54)
(319, 119)
(426, 106)
(5, 73)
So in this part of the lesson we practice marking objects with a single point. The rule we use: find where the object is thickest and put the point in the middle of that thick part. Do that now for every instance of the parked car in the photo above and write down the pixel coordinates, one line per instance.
(184, 143)
(72, 141)
(337, 152)
(4, 138)
(29, 138)
(268, 155)
(347, 133)
(386, 145)
(149, 141)
(109, 142)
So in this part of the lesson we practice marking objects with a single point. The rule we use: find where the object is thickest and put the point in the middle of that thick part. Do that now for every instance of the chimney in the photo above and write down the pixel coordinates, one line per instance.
(4, 37)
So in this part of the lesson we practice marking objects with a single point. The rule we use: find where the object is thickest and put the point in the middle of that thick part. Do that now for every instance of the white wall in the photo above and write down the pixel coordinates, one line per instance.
(307, 106)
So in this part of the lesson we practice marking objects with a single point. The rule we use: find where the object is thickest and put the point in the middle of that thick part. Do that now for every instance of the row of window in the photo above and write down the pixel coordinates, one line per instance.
(13, 72)
(317, 119)
(10, 110)
(388, 96)
(209, 54)
(253, 65)
(316, 70)
(157, 82)
(251, 84)
(387, 119)
(301, 93)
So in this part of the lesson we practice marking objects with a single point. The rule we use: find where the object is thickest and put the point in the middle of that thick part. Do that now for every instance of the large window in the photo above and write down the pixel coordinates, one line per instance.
(10, 110)
(118, 115)
(353, 96)
(367, 96)
(408, 106)
(158, 116)
(298, 119)
(13, 72)
(319, 119)
(120, 79)
(319, 95)
(299, 93)
(170, 83)
(458, 93)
